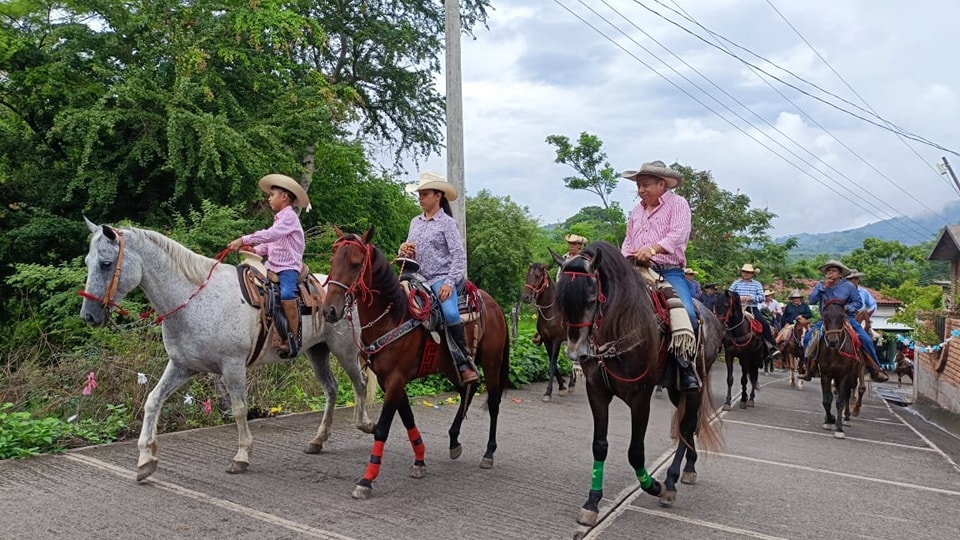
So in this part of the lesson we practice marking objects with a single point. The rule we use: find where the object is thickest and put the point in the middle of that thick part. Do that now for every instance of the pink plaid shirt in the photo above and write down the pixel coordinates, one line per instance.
(282, 244)
(668, 225)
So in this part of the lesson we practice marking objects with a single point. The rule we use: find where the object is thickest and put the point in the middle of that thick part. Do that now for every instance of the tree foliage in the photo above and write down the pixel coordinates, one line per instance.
(594, 174)
(890, 263)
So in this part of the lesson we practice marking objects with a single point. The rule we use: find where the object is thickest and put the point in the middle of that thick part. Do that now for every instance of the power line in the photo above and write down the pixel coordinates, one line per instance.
(810, 117)
(861, 98)
(691, 96)
(904, 133)
(864, 193)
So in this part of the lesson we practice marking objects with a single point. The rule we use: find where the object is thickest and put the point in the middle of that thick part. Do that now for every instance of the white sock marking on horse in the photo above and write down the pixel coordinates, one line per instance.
(245, 511)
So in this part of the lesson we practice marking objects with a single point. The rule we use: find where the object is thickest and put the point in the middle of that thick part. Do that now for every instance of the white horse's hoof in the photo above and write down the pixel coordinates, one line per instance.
(313, 448)
(146, 470)
(839, 435)
(237, 467)
(587, 517)
(361, 493)
(486, 463)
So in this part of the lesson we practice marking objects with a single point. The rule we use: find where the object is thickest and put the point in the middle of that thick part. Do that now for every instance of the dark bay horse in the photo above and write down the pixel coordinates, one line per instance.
(400, 349)
(540, 290)
(743, 339)
(614, 332)
(841, 364)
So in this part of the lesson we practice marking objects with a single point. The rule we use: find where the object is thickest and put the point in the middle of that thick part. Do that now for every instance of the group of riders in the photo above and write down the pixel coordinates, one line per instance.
(658, 231)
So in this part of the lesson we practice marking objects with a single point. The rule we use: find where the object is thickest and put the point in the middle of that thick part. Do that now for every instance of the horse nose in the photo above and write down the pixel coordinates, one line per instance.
(330, 314)
(89, 318)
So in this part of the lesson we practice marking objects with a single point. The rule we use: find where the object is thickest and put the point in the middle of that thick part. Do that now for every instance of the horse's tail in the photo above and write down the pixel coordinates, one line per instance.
(371, 386)
(711, 440)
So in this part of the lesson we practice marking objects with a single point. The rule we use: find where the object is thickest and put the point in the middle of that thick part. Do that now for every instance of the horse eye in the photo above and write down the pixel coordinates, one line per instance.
(105, 265)
(355, 266)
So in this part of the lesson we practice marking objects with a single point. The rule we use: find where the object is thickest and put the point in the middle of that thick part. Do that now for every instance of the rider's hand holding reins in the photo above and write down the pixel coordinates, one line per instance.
(235, 245)
(444, 292)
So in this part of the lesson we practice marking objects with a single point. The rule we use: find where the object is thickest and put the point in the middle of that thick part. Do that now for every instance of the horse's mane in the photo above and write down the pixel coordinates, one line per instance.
(194, 266)
(384, 280)
(628, 307)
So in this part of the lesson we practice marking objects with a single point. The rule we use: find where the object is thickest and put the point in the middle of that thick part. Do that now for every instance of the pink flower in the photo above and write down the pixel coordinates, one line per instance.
(91, 384)
(206, 406)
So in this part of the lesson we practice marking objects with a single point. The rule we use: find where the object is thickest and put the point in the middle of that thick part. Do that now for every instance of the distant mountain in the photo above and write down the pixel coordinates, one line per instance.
(843, 242)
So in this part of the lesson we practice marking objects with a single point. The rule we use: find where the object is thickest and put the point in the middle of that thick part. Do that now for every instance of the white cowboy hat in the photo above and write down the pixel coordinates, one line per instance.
(435, 181)
(796, 294)
(748, 268)
(689, 271)
(575, 239)
(833, 263)
(767, 292)
(658, 169)
(283, 181)
(854, 273)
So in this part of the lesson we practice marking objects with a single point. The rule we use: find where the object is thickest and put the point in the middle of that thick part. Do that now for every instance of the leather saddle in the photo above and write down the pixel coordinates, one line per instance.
(422, 298)
(260, 287)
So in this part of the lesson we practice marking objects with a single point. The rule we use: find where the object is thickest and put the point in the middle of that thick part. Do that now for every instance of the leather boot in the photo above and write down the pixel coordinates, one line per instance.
(877, 373)
(291, 310)
(807, 374)
(688, 381)
(457, 342)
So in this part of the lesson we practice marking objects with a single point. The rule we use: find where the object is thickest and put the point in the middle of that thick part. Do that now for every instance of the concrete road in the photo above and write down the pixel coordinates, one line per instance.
(780, 476)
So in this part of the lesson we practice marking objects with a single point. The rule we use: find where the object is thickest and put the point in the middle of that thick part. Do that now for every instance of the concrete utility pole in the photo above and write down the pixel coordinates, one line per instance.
(455, 115)
(949, 169)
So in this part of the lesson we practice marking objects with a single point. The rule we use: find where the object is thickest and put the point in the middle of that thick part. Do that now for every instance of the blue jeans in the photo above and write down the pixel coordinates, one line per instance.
(675, 277)
(451, 313)
(866, 342)
(288, 284)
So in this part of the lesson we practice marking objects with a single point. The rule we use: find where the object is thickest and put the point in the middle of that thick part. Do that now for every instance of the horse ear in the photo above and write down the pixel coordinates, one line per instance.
(368, 236)
(109, 232)
(90, 225)
(556, 258)
(336, 229)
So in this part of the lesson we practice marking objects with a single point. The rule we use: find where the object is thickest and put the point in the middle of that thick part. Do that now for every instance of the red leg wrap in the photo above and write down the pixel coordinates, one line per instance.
(376, 457)
(419, 450)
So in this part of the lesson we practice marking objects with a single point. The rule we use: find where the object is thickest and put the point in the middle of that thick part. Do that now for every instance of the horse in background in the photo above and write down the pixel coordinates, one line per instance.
(401, 347)
(903, 367)
(743, 338)
(614, 333)
(841, 364)
(208, 327)
(790, 342)
(540, 290)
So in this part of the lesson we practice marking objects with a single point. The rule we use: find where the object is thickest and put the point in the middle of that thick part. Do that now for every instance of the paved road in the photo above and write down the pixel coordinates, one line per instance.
(779, 476)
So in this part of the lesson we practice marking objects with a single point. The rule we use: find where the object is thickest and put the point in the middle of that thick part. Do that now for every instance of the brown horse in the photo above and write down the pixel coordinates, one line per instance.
(903, 367)
(841, 364)
(742, 340)
(540, 290)
(399, 348)
(791, 348)
(613, 332)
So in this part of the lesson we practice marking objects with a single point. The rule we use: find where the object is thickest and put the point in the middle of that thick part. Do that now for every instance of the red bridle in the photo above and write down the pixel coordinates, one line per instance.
(359, 284)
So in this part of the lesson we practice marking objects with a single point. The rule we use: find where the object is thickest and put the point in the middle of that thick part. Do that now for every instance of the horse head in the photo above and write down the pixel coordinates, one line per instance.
(112, 272)
(351, 271)
(834, 315)
(536, 281)
(579, 295)
(728, 309)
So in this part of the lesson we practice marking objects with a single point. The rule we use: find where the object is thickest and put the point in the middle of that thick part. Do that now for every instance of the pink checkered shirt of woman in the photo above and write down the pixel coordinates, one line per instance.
(667, 225)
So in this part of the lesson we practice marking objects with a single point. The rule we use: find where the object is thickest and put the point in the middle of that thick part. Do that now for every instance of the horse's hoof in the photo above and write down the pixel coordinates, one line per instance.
(547, 398)
(361, 493)
(743, 404)
(587, 517)
(313, 448)
(839, 435)
(146, 470)
(726, 407)
(237, 467)
(799, 385)
(368, 427)
(667, 498)
(486, 463)
(418, 471)
(827, 427)
(846, 419)
(856, 412)
(570, 389)
(751, 403)
(456, 451)
(688, 477)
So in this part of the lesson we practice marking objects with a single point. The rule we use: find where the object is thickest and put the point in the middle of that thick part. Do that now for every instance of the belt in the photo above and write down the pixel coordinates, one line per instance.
(662, 267)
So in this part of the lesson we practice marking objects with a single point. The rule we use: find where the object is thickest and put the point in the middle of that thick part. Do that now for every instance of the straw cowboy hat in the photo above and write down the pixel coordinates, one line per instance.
(854, 273)
(767, 292)
(690, 271)
(796, 294)
(283, 181)
(833, 263)
(435, 181)
(748, 268)
(575, 239)
(658, 169)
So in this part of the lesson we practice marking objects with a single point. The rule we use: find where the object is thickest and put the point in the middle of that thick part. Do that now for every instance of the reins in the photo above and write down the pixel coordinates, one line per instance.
(537, 292)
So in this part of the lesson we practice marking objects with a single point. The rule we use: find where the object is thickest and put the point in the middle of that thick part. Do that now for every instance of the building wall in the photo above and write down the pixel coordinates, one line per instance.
(941, 388)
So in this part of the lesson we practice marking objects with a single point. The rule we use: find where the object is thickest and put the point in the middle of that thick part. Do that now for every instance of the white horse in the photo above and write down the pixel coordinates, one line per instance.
(207, 328)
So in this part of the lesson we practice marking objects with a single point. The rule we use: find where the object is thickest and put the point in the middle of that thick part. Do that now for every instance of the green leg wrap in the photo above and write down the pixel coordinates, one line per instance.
(597, 478)
(644, 478)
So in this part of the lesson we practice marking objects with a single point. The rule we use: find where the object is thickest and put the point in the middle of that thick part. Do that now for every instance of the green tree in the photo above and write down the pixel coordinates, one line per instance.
(594, 173)
(888, 263)
(593, 222)
(502, 239)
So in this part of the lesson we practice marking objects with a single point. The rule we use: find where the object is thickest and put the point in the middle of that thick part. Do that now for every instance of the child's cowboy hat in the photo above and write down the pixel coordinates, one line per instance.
(432, 180)
(283, 181)
(575, 239)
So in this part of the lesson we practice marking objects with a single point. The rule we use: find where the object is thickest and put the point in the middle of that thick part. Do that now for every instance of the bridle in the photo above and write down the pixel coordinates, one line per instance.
(359, 287)
(111, 290)
(537, 289)
(742, 341)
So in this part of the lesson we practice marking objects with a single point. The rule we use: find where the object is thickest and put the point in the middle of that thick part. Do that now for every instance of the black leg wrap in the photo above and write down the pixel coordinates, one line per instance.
(593, 500)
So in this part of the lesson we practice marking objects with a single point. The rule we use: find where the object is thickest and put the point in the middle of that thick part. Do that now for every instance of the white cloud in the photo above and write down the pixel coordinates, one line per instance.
(540, 71)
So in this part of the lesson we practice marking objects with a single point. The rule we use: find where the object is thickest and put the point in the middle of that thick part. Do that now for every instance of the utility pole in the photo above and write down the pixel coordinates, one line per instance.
(455, 114)
(946, 165)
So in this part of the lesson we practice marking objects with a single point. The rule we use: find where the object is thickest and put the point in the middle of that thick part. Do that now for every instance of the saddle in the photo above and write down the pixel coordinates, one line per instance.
(422, 298)
(260, 289)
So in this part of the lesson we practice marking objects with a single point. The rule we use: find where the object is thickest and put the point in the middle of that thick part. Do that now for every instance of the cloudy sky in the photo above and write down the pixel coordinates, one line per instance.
(539, 70)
